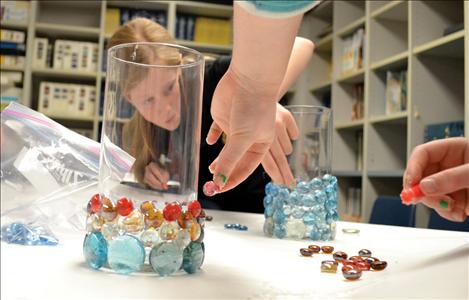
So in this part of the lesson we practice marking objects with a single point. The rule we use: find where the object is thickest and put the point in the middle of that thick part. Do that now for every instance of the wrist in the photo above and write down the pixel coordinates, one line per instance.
(259, 88)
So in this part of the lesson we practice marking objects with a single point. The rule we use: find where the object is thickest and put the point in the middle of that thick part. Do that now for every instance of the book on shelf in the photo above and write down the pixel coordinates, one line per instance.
(40, 51)
(185, 26)
(357, 102)
(112, 21)
(14, 11)
(73, 55)
(158, 16)
(359, 137)
(17, 61)
(353, 51)
(396, 91)
(10, 89)
(13, 36)
(443, 130)
(353, 202)
(11, 48)
(212, 31)
(67, 100)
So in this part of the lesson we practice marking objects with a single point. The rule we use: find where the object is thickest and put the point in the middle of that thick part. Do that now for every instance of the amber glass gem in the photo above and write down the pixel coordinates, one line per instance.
(306, 252)
(339, 255)
(379, 265)
(314, 248)
(327, 249)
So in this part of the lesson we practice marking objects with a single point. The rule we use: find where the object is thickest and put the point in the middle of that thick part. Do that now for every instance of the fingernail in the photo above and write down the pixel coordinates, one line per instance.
(458, 216)
(407, 181)
(220, 180)
(210, 189)
(210, 168)
(444, 204)
(428, 186)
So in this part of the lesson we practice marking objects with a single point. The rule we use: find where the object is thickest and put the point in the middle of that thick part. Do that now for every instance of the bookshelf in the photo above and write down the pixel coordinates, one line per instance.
(85, 21)
(399, 35)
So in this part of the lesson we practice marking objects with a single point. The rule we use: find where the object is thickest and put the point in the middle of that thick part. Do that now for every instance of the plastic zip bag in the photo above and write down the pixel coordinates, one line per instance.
(48, 172)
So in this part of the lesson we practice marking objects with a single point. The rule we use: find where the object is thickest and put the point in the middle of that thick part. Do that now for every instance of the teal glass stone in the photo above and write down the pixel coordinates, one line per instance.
(166, 258)
(303, 187)
(267, 200)
(294, 198)
(308, 200)
(279, 231)
(309, 218)
(268, 227)
(95, 250)
(315, 183)
(126, 254)
(271, 189)
(283, 194)
(298, 212)
(279, 217)
(268, 211)
(193, 257)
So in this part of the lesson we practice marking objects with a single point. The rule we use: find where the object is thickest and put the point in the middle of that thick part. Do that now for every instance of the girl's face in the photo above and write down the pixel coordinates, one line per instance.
(157, 98)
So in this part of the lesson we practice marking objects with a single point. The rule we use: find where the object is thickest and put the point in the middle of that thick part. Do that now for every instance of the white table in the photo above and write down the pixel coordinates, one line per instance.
(247, 265)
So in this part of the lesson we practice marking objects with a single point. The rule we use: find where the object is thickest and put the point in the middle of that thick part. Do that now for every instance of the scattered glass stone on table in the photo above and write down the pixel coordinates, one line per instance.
(327, 249)
(351, 273)
(95, 250)
(314, 248)
(306, 252)
(339, 255)
(329, 266)
(24, 234)
(378, 265)
(126, 254)
(364, 252)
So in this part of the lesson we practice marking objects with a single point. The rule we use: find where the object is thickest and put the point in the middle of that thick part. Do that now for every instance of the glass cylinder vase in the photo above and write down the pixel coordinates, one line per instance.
(147, 213)
(308, 208)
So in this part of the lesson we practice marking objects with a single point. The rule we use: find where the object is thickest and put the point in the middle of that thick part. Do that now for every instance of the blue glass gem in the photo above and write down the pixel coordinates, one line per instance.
(278, 217)
(95, 250)
(267, 200)
(271, 189)
(24, 234)
(320, 196)
(298, 212)
(268, 211)
(327, 178)
(303, 187)
(315, 183)
(315, 235)
(309, 218)
(278, 203)
(330, 204)
(283, 194)
(166, 258)
(229, 226)
(126, 254)
(294, 198)
(287, 210)
(308, 200)
(268, 227)
(193, 256)
(279, 231)
(332, 217)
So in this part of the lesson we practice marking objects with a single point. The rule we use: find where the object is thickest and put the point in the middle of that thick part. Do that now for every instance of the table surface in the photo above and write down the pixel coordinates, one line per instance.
(422, 264)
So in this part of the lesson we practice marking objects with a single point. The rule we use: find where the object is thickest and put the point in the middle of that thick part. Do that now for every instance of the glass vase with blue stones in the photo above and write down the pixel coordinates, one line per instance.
(146, 217)
(305, 207)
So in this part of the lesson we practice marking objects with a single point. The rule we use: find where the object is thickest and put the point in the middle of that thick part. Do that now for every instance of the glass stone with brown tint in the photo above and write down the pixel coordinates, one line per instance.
(364, 252)
(379, 265)
(339, 255)
(329, 266)
(327, 249)
(314, 248)
(306, 252)
(351, 273)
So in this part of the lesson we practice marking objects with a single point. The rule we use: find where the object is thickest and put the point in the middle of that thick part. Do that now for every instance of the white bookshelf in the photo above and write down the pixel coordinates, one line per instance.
(400, 35)
(85, 21)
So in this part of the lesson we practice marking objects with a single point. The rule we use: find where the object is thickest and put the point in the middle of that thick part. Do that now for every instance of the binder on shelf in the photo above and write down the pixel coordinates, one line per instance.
(14, 11)
(40, 52)
(112, 21)
(396, 91)
(13, 36)
(17, 61)
(353, 53)
(73, 55)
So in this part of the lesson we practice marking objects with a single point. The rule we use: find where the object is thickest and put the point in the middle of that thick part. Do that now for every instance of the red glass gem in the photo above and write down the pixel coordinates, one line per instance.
(124, 206)
(194, 208)
(95, 204)
(172, 211)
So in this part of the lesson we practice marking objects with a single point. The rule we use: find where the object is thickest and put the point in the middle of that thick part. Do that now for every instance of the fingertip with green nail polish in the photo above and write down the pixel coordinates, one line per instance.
(444, 204)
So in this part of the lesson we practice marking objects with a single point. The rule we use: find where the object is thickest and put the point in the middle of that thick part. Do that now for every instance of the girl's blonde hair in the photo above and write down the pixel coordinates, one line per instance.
(139, 135)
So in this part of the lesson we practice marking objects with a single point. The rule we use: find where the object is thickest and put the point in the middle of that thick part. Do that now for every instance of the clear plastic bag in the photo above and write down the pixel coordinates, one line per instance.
(48, 172)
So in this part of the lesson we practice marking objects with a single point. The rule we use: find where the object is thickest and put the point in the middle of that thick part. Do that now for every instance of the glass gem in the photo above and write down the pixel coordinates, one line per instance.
(108, 212)
(315, 183)
(306, 252)
(279, 231)
(148, 209)
(132, 223)
(329, 266)
(356, 258)
(351, 274)
(339, 255)
(308, 200)
(362, 265)
(348, 262)
(287, 210)
(315, 235)
(165, 258)
(295, 229)
(369, 259)
(268, 200)
(379, 265)
(320, 196)
(168, 231)
(126, 254)
(269, 211)
(271, 189)
(364, 252)
(268, 227)
(155, 221)
(183, 239)
(194, 231)
(303, 187)
(278, 217)
(193, 257)
(327, 178)
(194, 208)
(327, 249)
(297, 212)
(150, 237)
(172, 211)
(110, 231)
(283, 194)
(201, 236)
(294, 198)
(124, 206)
(314, 248)
(94, 222)
(27, 234)
(210, 188)
(95, 250)
(185, 219)
(95, 204)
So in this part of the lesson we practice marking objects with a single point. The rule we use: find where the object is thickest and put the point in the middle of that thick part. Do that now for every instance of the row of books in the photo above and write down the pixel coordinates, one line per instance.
(67, 100)
(353, 202)
(115, 17)
(17, 11)
(353, 52)
(67, 55)
(12, 48)
(11, 89)
(213, 31)
(17, 61)
(13, 36)
(396, 91)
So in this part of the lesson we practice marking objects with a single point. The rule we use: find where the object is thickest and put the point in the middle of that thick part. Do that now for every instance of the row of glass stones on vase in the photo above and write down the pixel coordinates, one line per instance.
(120, 235)
(307, 211)
(352, 267)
